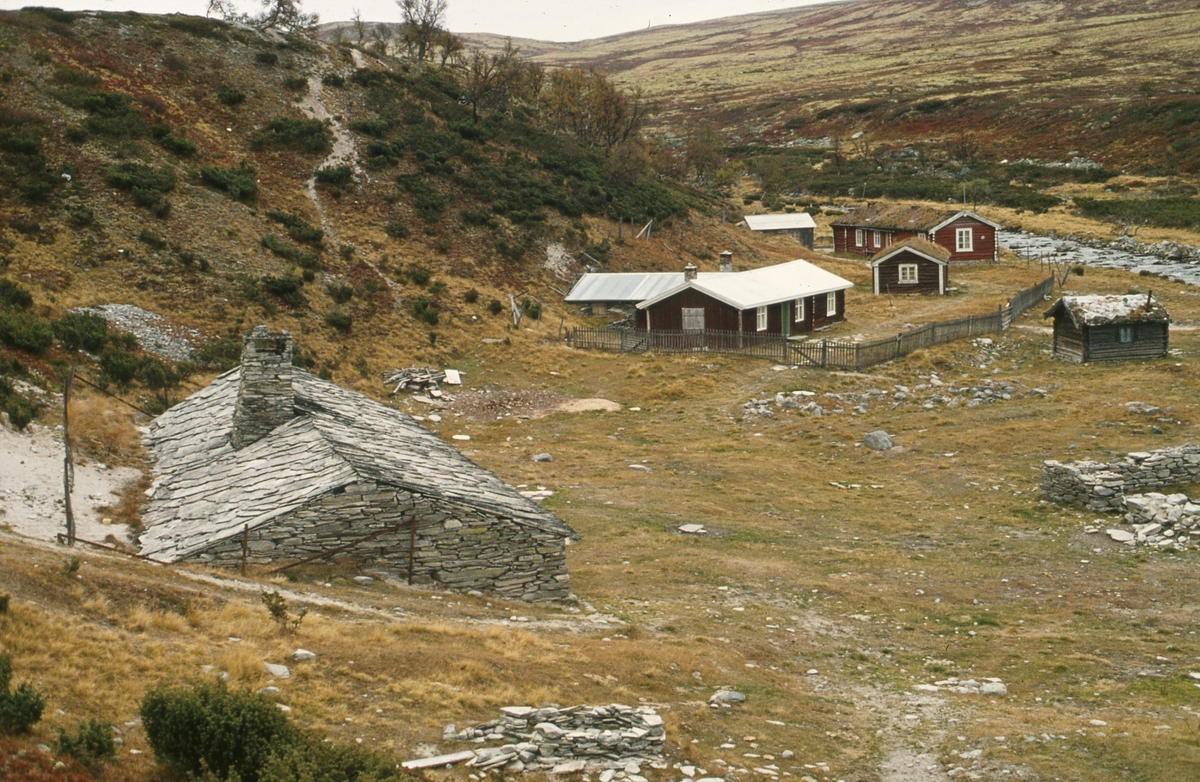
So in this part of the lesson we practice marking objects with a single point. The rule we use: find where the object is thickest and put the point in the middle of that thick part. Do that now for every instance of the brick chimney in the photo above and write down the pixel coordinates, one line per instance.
(726, 262)
(265, 394)
(689, 272)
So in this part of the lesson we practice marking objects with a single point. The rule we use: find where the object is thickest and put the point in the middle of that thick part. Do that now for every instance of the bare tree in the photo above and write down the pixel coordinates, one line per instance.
(450, 47)
(285, 15)
(423, 20)
(381, 38)
(360, 25)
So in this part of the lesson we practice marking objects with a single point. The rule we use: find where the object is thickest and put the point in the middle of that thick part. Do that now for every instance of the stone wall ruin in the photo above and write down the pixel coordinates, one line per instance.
(1102, 487)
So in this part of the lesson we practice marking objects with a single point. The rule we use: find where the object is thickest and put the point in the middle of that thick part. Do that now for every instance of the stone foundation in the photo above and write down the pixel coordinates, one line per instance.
(1102, 487)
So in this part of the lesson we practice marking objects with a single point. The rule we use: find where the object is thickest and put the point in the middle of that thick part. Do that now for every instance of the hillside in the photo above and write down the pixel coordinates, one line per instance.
(1111, 81)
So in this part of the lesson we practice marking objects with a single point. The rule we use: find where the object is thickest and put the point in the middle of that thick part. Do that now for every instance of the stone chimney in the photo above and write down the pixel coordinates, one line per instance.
(689, 272)
(726, 262)
(265, 397)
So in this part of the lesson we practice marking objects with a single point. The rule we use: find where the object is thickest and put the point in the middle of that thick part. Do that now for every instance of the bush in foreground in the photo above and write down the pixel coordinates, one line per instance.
(20, 709)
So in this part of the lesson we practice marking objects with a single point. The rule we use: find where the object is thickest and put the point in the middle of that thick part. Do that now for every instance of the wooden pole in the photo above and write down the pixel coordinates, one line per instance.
(68, 465)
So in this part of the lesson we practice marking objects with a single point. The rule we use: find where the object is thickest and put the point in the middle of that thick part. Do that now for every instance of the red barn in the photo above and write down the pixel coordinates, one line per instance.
(912, 266)
(875, 227)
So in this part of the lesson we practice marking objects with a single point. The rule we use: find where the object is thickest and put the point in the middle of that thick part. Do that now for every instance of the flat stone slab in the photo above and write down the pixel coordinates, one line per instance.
(303, 655)
(727, 696)
(1122, 536)
(438, 761)
(278, 671)
(692, 529)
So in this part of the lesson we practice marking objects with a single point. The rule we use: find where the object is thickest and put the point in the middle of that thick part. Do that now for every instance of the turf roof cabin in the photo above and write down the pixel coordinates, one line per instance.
(1109, 328)
(800, 226)
(912, 266)
(293, 466)
(875, 227)
(785, 299)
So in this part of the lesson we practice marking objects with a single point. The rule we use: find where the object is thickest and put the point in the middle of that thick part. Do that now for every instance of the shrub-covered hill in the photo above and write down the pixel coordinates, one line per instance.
(226, 177)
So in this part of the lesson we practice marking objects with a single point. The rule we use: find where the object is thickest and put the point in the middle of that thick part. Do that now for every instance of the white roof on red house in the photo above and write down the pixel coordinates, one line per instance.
(761, 287)
(784, 222)
(628, 287)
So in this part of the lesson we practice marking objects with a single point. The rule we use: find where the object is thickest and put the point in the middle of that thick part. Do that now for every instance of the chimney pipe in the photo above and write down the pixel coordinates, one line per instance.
(265, 399)
(726, 262)
(689, 272)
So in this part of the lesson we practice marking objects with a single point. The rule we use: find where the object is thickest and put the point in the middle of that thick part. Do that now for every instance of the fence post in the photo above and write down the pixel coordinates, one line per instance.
(857, 360)
(824, 351)
(970, 331)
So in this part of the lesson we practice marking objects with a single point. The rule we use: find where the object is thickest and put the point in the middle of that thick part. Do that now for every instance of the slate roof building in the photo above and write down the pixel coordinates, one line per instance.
(274, 464)
(799, 225)
(1109, 328)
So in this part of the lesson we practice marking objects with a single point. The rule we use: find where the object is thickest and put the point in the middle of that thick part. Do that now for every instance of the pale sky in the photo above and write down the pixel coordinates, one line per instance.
(547, 20)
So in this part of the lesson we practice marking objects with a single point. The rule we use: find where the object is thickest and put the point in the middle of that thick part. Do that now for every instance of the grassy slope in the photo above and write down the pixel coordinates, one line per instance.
(1036, 79)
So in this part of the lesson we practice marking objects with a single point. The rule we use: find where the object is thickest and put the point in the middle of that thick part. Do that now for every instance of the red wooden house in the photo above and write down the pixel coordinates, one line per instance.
(911, 266)
(875, 227)
(785, 299)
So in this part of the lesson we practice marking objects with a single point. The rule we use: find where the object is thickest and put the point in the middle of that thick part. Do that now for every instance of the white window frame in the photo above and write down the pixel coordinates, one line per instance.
(878, 240)
(798, 311)
(761, 316)
(907, 273)
(964, 240)
(858, 237)
(692, 314)
(830, 304)
(1125, 334)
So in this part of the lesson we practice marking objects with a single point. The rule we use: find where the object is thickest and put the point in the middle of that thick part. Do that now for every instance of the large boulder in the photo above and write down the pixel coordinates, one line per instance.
(878, 440)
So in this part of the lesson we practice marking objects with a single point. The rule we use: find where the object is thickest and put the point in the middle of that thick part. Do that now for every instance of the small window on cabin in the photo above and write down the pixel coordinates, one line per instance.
(858, 237)
(908, 273)
(831, 303)
(878, 240)
(798, 310)
(693, 318)
(1125, 333)
(762, 318)
(964, 240)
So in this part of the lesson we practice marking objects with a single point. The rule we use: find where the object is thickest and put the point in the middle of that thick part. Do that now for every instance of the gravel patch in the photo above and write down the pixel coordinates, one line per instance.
(156, 334)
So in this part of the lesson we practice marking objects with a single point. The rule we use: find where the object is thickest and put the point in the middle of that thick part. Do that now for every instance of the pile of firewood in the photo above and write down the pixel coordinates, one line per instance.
(420, 379)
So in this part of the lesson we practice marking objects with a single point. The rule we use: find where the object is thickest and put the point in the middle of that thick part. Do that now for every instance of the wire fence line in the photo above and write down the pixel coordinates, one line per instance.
(824, 353)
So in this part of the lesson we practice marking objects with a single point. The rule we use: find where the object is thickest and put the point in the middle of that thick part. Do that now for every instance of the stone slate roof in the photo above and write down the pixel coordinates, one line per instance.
(205, 491)
(932, 251)
(1098, 310)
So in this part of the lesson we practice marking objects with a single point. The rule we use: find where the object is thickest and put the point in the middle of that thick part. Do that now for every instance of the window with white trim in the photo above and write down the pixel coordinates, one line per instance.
(831, 303)
(762, 318)
(964, 240)
(908, 273)
(858, 237)
(798, 310)
(693, 318)
(1125, 334)
(878, 240)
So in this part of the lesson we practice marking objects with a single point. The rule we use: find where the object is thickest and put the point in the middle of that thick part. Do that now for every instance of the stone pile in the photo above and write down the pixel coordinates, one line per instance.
(928, 395)
(1159, 520)
(573, 738)
(1103, 487)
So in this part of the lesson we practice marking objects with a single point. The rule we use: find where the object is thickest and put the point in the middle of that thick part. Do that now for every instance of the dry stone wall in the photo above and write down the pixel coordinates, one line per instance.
(572, 738)
(457, 547)
(1102, 487)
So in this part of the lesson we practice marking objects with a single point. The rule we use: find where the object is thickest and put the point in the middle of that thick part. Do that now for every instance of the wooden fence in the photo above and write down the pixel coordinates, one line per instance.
(829, 354)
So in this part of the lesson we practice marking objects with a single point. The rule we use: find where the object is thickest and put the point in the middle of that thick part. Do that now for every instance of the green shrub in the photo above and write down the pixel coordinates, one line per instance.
(305, 135)
(532, 307)
(118, 365)
(178, 146)
(338, 320)
(316, 761)
(230, 96)
(75, 78)
(284, 250)
(333, 80)
(471, 296)
(79, 216)
(334, 175)
(495, 307)
(223, 353)
(266, 58)
(4, 604)
(201, 27)
(82, 331)
(396, 229)
(146, 236)
(136, 176)
(20, 412)
(24, 331)
(287, 289)
(371, 127)
(13, 296)
(437, 287)
(297, 83)
(298, 228)
(238, 182)
(92, 743)
(425, 310)
(20, 709)
(341, 293)
(418, 274)
(208, 728)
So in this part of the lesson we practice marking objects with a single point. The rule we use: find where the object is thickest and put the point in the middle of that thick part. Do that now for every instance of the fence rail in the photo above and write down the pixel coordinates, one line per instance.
(828, 354)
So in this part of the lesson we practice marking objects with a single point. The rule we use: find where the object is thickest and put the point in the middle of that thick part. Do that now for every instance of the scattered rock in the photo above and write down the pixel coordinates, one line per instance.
(727, 696)
(542, 457)
(438, 761)
(878, 440)
(363, 579)
(692, 529)
(303, 655)
(992, 688)
(278, 671)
